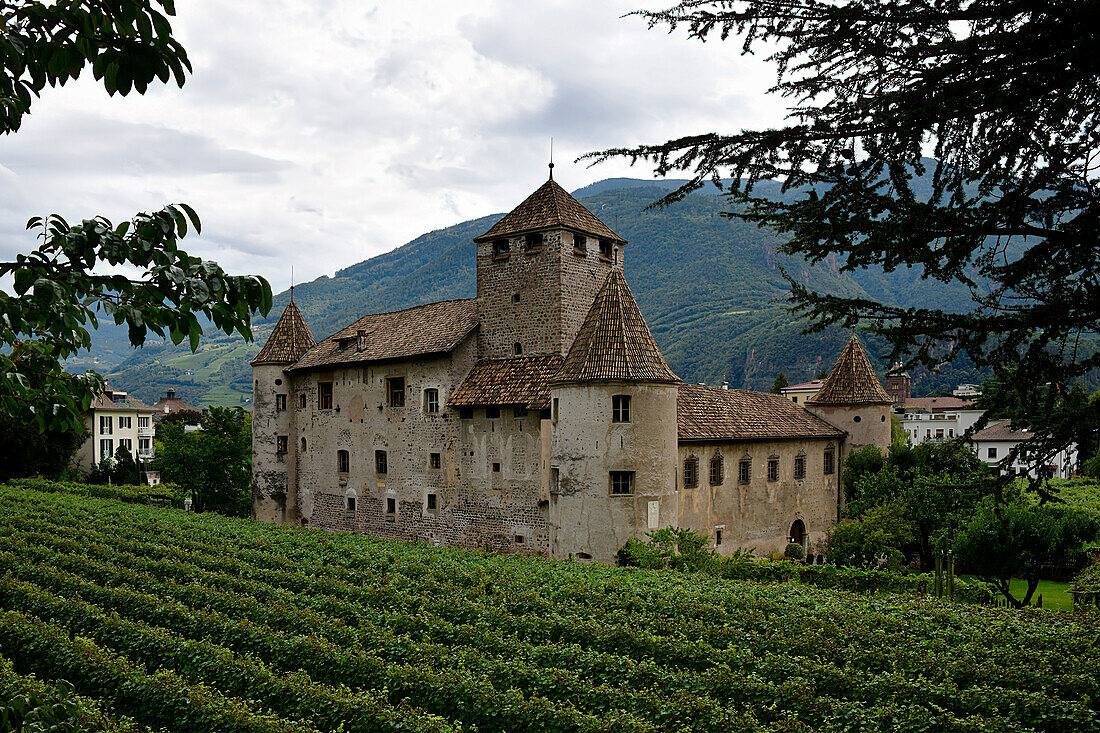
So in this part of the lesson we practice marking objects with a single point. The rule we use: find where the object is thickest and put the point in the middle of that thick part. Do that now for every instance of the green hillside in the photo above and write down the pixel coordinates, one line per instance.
(198, 622)
(710, 288)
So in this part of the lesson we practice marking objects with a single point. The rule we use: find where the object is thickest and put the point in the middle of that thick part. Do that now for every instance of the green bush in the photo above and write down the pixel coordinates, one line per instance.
(794, 551)
(133, 494)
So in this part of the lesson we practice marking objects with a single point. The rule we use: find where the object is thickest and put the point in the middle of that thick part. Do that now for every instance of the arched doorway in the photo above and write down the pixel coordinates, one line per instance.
(798, 533)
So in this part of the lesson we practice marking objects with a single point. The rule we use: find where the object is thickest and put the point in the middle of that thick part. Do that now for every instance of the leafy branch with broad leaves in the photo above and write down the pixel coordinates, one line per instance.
(1004, 97)
(74, 279)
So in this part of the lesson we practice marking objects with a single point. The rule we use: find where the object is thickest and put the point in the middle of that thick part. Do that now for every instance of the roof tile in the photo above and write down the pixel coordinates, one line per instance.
(852, 381)
(290, 339)
(715, 414)
(549, 207)
(524, 381)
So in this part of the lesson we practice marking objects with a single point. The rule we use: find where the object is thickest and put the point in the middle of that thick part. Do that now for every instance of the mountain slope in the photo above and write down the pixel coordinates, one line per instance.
(709, 286)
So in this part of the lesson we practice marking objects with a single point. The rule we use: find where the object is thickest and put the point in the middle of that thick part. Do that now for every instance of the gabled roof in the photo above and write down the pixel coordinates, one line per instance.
(550, 207)
(524, 380)
(715, 414)
(1001, 431)
(434, 328)
(938, 404)
(288, 341)
(852, 381)
(168, 406)
(103, 403)
(803, 386)
(614, 342)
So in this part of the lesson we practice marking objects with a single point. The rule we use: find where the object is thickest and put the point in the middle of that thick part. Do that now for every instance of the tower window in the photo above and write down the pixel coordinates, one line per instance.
(343, 461)
(515, 297)
(500, 247)
(580, 244)
(829, 463)
(281, 444)
(391, 508)
(605, 249)
(349, 503)
(744, 471)
(554, 410)
(431, 401)
(434, 461)
(691, 473)
(303, 445)
(324, 395)
(622, 483)
(432, 502)
(533, 242)
(716, 471)
(717, 537)
(773, 469)
(381, 464)
(302, 400)
(620, 408)
(496, 468)
(492, 412)
(520, 539)
(800, 467)
(517, 348)
(280, 402)
(395, 388)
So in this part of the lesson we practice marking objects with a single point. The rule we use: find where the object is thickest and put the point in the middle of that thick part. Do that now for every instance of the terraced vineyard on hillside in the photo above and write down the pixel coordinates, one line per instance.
(204, 623)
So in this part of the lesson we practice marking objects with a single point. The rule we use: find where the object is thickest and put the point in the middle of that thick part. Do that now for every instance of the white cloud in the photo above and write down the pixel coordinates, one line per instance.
(321, 133)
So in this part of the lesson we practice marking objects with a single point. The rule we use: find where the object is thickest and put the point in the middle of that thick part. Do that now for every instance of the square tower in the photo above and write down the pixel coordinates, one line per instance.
(538, 271)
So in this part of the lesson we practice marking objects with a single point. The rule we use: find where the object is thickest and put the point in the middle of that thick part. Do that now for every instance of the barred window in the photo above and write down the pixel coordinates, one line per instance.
(716, 471)
(622, 483)
(280, 444)
(343, 461)
(280, 402)
(395, 387)
(800, 467)
(744, 471)
(691, 473)
(829, 464)
(381, 464)
(773, 469)
(580, 244)
(500, 247)
(533, 241)
(434, 461)
(324, 395)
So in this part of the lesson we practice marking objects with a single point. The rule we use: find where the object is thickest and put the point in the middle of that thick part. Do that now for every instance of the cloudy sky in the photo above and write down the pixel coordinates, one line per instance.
(320, 133)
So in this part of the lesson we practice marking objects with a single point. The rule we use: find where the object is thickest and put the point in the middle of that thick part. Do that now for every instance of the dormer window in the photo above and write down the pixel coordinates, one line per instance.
(500, 248)
(580, 244)
(533, 242)
(605, 249)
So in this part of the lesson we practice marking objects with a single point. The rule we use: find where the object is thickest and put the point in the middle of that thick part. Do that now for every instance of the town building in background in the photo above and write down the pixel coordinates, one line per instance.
(541, 416)
(115, 420)
(995, 442)
(801, 393)
(170, 403)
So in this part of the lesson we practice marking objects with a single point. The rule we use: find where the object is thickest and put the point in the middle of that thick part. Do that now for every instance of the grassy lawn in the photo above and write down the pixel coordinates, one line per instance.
(1055, 594)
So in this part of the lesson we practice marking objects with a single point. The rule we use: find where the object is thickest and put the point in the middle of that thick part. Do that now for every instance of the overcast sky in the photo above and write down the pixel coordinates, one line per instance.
(318, 134)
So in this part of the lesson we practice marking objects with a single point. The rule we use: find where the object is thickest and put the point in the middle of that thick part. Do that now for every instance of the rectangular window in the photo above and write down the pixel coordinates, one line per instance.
(716, 472)
(127, 444)
(432, 503)
(622, 483)
(280, 402)
(281, 444)
(380, 462)
(492, 412)
(144, 446)
(580, 244)
(391, 505)
(395, 388)
(605, 249)
(496, 468)
(691, 473)
(519, 412)
(465, 413)
(939, 432)
(829, 464)
(302, 400)
(143, 422)
(343, 461)
(124, 423)
(324, 395)
(717, 537)
(533, 242)
(105, 425)
(431, 401)
(435, 460)
(800, 467)
(106, 448)
(349, 504)
(620, 408)
(554, 411)
(992, 452)
(744, 471)
(500, 247)
(773, 469)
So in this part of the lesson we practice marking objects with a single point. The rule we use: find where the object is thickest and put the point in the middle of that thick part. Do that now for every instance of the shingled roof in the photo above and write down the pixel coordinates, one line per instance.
(524, 381)
(434, 328)
(714, 414)
(1001, 431)
(550, 207)
(852, 381)
(614, 342)
(288, 341)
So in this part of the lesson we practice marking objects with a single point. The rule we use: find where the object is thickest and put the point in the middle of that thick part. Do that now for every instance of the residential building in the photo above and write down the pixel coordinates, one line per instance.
(115, 419)
(801, 393)
(995, 442)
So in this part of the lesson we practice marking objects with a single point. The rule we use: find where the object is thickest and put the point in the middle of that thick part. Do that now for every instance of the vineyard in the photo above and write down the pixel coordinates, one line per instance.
(201, 623)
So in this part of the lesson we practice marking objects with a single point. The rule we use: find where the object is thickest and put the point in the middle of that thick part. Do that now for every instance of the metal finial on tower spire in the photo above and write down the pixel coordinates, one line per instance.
(551, 158)
(292, 283)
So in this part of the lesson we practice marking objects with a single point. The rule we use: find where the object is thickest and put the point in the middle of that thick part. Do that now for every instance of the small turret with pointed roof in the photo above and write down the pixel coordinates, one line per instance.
(290, 339)
(614, 343)
(852, 381)
(550, 207)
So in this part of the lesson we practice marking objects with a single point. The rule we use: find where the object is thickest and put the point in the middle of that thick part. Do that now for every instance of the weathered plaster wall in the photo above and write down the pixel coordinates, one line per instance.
(272, 495)
(759, 514)
(586, 519)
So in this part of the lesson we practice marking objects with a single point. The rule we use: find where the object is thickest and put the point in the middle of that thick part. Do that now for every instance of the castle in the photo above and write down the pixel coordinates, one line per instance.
(541, 416)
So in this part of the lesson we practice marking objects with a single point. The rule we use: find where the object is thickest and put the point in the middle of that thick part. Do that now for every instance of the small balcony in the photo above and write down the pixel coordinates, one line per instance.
(148, 432)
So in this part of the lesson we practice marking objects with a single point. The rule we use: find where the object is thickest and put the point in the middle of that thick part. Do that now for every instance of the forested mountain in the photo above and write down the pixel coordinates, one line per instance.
(709, 286)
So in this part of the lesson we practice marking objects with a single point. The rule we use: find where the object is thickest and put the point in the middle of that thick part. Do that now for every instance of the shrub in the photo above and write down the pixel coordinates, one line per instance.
(794, 551)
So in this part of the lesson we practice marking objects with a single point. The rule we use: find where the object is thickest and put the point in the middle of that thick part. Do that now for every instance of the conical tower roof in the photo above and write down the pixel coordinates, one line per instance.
(550, 207)
(852, 381)
(614, 342)
(290, 339)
